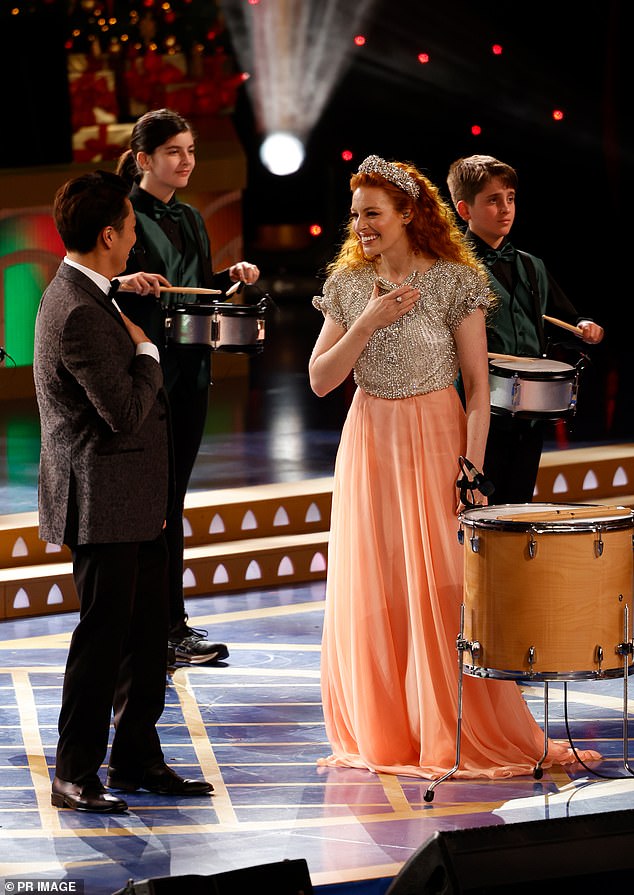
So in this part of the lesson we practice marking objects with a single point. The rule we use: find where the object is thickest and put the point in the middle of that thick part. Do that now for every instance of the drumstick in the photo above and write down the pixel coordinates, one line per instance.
(492, 355)
(233, 288)
(573, 329)
(191, 290)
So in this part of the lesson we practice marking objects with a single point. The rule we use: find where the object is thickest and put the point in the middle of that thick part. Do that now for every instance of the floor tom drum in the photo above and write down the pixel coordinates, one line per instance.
(546, 589)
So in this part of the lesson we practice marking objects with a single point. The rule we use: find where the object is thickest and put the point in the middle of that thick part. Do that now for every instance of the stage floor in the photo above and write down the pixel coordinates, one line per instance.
(254, 727)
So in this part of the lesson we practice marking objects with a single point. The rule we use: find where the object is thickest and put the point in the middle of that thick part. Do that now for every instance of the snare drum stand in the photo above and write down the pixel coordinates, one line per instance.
(625, 649)
(461, 646)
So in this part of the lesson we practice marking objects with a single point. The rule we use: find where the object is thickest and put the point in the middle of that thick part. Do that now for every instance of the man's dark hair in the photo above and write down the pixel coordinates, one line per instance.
(85, 205)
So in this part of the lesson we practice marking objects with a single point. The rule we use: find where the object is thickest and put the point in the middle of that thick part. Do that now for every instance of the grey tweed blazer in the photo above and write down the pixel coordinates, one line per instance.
(104, 461)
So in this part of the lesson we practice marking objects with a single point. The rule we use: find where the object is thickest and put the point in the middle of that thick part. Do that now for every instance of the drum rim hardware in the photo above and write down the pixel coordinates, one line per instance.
(622, 518)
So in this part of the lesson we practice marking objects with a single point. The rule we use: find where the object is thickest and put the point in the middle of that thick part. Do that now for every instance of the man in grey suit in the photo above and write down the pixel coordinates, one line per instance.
(104, 491)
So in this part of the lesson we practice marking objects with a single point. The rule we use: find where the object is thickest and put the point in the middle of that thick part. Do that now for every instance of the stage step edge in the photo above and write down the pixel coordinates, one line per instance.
(43, 589)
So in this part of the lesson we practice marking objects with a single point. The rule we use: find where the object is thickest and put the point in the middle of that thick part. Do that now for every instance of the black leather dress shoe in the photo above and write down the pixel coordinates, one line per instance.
(163, 781)
(85, 797)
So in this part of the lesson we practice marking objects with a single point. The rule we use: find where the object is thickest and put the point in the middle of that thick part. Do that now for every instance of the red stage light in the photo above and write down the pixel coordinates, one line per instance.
(423, 58)
(359, 40)
(315, 230)
(346, 155)
(558, 115)
(496, 49)
(476, 130)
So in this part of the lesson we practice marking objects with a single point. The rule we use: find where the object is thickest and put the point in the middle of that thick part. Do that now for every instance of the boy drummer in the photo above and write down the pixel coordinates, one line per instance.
(483, 191)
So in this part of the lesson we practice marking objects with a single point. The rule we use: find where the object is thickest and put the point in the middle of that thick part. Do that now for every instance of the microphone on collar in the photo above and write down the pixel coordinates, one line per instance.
(477, 483)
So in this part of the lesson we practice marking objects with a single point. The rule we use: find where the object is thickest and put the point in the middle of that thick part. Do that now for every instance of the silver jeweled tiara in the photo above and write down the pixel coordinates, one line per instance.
(374, 164)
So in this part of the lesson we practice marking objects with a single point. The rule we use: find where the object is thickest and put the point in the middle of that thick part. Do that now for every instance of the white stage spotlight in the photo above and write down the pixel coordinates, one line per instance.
(282, 153)
(295, 52)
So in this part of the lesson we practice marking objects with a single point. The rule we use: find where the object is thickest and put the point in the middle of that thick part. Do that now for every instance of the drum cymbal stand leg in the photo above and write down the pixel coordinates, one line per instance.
(626, 649)
(538, 772)
(461, 646)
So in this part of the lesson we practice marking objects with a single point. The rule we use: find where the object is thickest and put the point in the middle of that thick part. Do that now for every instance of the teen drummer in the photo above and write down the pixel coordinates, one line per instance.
(483, 191)
(172, 242)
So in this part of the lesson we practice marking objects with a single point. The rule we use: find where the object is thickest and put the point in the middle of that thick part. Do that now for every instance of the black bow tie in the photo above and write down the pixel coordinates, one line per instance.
(174, 211)
(114, 288)
(506, 253)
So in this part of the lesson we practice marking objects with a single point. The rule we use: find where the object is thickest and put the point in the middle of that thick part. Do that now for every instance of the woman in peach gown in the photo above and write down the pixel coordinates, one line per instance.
(404, 308)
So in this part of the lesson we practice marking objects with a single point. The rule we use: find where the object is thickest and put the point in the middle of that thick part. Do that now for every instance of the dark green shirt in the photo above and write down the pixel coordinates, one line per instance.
(180, 251)
(515, 325)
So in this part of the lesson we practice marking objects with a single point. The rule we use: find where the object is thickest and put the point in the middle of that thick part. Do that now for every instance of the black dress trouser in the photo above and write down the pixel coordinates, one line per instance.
(188, 412)
(116, 661)
(511, 461)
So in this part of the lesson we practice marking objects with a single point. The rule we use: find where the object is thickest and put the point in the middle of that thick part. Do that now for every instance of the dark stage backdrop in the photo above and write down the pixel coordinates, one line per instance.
(574, 174)
(34, 87)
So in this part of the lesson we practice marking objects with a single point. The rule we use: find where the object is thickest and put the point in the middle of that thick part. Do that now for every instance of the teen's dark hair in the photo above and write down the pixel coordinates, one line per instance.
(85, 205)
(150, 131)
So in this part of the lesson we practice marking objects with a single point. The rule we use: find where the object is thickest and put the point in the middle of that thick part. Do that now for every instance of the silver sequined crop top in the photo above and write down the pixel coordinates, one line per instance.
(417, 353)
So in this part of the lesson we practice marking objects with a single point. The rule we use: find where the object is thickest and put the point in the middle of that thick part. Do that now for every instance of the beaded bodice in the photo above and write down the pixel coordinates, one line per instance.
(417, 353)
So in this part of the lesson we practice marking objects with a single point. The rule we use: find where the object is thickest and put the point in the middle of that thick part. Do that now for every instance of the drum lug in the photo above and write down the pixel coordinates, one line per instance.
(461, 535)
(624, 649)
(598, 546)
(214, 334)
(475, 544)
(515, 391)
(532, 548)
(531, 657)
(599, 657)
(572, 407)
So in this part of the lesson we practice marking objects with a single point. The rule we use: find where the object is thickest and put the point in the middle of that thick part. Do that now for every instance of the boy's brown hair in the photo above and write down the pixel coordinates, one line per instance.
(468, 176)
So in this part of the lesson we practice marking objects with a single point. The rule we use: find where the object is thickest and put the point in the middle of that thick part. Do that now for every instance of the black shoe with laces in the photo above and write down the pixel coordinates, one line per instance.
(190, 646)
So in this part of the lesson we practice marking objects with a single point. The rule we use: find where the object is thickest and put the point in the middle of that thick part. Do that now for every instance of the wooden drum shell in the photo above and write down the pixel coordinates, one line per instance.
(566, 602)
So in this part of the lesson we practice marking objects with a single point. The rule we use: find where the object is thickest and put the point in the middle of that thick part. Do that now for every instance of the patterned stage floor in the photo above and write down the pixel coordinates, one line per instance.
(254, 727)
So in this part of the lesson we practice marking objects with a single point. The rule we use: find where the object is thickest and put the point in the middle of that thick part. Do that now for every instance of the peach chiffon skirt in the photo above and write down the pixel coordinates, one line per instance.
(389, 661)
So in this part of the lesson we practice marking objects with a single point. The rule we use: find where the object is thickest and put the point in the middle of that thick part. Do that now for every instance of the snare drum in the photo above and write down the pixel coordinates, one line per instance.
(546, 586)
(223, 326)
(533, 389)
